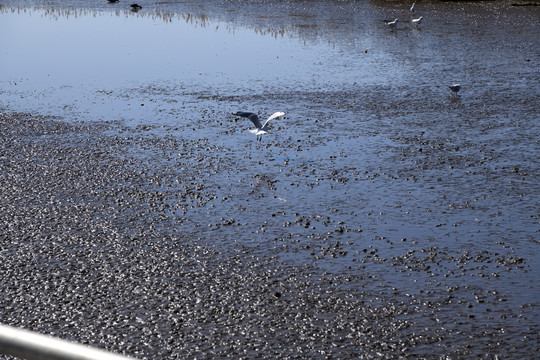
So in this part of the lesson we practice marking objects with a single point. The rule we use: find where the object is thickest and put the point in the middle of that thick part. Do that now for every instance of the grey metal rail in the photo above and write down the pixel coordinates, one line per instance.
(28, 345)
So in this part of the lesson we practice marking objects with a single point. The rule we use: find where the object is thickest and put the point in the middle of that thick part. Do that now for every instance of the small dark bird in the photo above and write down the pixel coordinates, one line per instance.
(135, 7)
(455, 88)
(113, 1)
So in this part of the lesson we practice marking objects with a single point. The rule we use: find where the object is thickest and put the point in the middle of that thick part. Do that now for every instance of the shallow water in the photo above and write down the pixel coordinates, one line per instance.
(376, 171)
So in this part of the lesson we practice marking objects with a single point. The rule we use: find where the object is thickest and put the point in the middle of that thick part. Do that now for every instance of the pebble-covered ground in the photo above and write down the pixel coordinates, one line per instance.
(90, 252)
(376, 220)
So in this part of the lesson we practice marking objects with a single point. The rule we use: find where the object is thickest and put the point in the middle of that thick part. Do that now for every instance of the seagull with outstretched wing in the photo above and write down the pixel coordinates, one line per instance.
(260, 129)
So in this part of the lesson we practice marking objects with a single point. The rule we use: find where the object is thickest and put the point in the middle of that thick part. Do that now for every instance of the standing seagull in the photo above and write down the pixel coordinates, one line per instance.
(412, 7)
(416, 21)
(455, 88)
(260, 128)
(391, 24)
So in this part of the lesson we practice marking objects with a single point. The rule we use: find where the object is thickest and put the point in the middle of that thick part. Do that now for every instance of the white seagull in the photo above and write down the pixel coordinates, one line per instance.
(412, 7)
(455, 88)
(391, 24)
(260, 128)
(416, 21)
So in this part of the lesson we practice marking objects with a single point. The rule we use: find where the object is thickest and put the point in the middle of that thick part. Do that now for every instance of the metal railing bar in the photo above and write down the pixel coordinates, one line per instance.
(29, 345)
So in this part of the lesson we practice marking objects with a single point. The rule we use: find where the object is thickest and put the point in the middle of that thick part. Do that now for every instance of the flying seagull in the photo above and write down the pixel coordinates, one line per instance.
(416, 21)
(391, 24)
(455, 88)
(260, 128)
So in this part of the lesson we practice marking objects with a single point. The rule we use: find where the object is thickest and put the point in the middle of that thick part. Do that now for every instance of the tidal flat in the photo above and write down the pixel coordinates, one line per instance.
(382, 217)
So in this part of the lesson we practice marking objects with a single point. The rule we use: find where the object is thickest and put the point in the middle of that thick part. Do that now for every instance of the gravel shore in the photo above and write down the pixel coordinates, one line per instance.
(382, 217)
(88, 253)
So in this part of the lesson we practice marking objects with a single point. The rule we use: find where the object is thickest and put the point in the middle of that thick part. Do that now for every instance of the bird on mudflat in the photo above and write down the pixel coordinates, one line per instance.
(412, 7)
(455, 88)
(135, 7)
(391, 24)
(416, 21)
(260, 129)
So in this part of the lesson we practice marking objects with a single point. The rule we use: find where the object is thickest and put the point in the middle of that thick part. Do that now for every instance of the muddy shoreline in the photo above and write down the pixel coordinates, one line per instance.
(89, 254)
(381, 217)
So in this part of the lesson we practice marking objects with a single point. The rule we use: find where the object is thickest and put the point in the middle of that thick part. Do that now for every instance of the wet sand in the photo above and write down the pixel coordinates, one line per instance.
(374, 221)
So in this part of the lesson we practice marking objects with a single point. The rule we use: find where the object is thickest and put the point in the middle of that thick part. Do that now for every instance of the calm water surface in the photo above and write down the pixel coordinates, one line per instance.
(66, 59)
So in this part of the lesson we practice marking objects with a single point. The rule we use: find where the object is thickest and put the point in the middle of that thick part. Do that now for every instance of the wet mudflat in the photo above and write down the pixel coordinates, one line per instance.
(381, 218)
